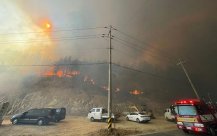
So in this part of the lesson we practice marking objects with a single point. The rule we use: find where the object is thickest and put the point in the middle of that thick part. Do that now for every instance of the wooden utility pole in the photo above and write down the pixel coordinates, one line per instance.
(181, 63)
(110, 81)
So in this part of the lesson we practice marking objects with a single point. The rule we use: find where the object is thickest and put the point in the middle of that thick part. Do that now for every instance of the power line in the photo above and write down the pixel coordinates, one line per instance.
(124, 53)
(51, 65)
(124, 43)
(142, 42)
(53, 39)
(57, 30)
(148, 73)
(139, 47)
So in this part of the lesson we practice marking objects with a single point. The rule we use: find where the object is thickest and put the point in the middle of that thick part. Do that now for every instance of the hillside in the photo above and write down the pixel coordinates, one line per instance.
(79, 88)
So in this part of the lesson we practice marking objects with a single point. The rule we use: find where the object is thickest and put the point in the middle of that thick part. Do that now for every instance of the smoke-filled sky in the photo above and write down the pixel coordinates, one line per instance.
(149, 32)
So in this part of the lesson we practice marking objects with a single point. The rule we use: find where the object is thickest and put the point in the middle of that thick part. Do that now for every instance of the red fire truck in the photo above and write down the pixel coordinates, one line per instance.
(196, 116)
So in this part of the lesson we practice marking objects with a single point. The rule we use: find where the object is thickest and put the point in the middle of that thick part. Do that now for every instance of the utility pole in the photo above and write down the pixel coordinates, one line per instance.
(189, 79)
(110, 81)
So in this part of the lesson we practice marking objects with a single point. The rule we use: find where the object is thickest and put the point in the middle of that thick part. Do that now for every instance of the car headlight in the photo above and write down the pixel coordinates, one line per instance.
(179, 123)
(198, 125)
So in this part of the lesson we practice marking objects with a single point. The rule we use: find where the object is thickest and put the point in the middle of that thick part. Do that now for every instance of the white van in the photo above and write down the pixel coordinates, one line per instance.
(99, 114)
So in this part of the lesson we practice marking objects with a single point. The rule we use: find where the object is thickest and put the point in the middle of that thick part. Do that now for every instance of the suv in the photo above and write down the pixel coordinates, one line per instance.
(34, 116)
(60, 114)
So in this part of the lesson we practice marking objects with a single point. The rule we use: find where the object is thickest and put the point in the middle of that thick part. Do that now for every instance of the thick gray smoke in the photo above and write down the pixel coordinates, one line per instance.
(151, 36)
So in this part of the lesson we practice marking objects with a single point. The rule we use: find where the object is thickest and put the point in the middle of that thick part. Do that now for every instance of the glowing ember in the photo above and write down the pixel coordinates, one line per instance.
(136, 92)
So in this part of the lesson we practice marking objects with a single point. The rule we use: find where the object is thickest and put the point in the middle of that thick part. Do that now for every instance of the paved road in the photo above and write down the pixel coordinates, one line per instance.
(171, 133)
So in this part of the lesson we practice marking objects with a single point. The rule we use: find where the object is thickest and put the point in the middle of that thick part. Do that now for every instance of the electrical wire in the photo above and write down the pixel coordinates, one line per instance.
(57, 30)
(139, 47)
(142, 42)
(142, 51)
(51, 65)
(148, 73)
(54, 38)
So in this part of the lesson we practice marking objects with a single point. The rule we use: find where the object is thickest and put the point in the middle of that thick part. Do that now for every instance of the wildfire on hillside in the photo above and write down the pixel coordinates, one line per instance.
(136, 92)
(60, 73)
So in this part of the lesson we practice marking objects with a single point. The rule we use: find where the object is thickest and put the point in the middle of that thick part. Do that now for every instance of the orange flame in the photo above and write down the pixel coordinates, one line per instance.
(136, 92)
(60, 73)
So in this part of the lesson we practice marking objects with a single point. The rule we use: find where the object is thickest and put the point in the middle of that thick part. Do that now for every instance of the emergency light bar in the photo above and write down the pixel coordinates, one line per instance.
(188, 101)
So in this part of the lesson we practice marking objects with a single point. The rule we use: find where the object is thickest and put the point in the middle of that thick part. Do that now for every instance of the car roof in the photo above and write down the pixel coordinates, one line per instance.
(41, 109)
(98, 108)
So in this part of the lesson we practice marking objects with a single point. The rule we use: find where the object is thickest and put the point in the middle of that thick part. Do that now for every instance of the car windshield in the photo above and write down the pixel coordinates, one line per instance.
(187, 110)
(142, 113)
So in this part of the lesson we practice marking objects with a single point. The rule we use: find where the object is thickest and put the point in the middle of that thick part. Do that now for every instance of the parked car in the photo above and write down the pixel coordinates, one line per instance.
(34, 116)
(100, 114)
(60, 114)
(138, 117)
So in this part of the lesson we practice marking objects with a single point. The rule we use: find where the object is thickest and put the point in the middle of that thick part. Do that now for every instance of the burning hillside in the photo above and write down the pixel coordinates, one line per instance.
(60, 72)
(81, 87)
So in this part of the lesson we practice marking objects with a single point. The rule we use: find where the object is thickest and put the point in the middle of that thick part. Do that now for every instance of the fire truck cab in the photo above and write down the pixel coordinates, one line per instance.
(194, 115)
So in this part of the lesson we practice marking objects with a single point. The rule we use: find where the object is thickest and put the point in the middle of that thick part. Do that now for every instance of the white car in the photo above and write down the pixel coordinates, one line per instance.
(138, 117)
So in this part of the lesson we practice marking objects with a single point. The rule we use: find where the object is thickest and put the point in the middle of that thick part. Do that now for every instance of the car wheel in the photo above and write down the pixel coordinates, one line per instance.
(92, 119)
(15, 121)
(127, 118)
(40, 122)
(212, 131)
(137, 120)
